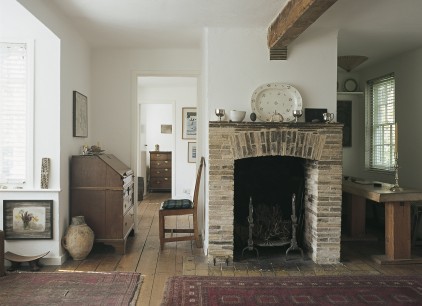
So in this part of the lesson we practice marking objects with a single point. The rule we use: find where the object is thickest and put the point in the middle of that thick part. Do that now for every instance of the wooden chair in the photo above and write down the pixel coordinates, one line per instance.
(176, 207)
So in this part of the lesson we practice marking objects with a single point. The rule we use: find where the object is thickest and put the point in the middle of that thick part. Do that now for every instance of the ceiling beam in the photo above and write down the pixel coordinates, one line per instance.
(294, 19)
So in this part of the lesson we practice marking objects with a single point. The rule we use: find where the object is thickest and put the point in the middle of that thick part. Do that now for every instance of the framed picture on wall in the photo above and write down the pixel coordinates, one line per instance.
(344, 115)
(191, 152)
(80, 115)
(28, 219)
(166, 129)
(189, 123)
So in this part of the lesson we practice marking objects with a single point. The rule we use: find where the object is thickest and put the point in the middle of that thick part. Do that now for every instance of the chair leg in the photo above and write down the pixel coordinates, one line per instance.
(195, 229)
(162, 229)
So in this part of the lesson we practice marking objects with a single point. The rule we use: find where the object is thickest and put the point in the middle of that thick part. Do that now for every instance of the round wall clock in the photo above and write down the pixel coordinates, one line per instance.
(350, 85)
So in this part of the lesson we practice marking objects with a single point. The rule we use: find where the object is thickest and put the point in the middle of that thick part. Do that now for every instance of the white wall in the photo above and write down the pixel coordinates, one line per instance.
(353, 155)
(61, 65)
(408, 72)
(114, 80)
(237, 62)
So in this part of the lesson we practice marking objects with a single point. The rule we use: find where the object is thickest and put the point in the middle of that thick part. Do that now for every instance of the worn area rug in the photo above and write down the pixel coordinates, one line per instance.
(69, 288)
(310, 290)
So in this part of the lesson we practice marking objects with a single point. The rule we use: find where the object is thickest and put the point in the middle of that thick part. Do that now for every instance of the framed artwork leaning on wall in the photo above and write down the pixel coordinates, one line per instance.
(28, 219)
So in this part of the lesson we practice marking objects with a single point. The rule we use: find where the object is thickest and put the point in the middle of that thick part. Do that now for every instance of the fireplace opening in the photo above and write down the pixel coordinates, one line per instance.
(263, 189)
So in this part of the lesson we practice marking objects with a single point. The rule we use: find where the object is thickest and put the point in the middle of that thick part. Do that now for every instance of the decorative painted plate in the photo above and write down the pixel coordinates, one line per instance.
(276, 98)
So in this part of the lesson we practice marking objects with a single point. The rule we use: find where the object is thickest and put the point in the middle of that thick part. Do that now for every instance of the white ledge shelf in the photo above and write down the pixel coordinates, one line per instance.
(350, 92)
(28, 190)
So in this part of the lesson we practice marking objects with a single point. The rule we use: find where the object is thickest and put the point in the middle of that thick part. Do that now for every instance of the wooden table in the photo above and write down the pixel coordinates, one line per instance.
(397, 216)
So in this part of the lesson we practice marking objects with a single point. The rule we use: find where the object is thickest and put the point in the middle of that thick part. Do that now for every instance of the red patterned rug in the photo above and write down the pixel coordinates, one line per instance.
(69, 288)
(315, 290)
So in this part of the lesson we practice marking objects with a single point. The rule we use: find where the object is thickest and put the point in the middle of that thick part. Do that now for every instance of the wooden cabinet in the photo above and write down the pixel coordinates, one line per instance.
(160, 171)
(102, 190)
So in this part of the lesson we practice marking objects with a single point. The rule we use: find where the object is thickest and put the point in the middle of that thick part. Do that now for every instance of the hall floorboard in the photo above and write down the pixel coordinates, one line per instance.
(183, 258)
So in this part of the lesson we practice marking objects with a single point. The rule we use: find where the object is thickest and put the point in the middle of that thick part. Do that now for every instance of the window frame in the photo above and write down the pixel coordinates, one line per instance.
(28, 181)
(386, 127)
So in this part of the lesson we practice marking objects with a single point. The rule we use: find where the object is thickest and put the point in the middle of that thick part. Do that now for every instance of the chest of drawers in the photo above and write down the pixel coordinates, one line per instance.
(160, 171)
(102, 190)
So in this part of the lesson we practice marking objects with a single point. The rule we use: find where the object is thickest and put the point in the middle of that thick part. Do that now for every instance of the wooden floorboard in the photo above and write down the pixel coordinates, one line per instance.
(143, 255)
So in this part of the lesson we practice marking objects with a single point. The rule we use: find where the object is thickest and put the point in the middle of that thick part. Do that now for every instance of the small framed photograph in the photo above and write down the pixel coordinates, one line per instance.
(80, 115)
(166, 129)
(189, 123)
(191, 152)
(28, 219)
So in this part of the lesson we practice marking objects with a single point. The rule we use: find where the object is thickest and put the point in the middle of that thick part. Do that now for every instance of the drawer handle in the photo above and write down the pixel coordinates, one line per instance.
(158, 164)
(166, 179)
(158, 155)
(166, 161)
(166, 169)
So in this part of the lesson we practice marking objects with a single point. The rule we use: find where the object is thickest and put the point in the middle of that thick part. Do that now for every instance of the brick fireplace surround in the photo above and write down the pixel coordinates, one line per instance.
(319, 144)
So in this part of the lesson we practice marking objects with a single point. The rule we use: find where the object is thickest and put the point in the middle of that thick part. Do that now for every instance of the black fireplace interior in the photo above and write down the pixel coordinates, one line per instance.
(269, 183)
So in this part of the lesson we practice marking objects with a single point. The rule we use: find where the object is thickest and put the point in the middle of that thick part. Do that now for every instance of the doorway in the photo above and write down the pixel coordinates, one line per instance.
(161, 100)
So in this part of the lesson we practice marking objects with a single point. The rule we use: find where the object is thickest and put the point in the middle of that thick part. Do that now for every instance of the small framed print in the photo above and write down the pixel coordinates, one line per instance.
(166, 129)
(191, 152)
(189, 123)
(80, 115)
(28, 219)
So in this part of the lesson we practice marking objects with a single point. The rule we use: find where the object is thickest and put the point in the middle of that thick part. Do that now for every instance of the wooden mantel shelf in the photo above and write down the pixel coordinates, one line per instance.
(259, 124)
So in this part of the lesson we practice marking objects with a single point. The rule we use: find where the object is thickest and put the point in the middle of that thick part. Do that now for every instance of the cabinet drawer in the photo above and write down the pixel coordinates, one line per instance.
(157, 183)
(127, 180)
(160, 172)
(160, 156)
(155, 164)
(127, 202)
(128, 221)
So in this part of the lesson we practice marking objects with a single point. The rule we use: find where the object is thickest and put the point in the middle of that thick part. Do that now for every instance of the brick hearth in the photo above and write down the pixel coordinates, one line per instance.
(319, 144)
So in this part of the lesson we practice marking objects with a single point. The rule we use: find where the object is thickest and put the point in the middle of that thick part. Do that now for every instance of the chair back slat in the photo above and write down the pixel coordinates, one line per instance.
(198, 182)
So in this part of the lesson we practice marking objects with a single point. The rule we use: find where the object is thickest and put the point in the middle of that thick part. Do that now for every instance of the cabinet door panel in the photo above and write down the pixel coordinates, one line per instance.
(88, 171)
(91, 205)
(114, 216)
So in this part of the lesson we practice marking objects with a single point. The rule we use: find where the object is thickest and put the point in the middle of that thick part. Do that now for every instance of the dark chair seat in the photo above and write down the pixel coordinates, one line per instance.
(177, 204)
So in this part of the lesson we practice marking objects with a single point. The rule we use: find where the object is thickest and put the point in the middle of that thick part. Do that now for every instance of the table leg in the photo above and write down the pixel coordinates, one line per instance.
(356, 215)
(397, 230)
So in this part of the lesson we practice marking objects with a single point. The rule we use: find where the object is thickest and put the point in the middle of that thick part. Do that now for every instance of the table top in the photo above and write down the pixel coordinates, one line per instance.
(381, 194)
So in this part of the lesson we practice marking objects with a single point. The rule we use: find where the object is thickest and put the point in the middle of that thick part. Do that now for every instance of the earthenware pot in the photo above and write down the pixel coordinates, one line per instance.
(79, 238)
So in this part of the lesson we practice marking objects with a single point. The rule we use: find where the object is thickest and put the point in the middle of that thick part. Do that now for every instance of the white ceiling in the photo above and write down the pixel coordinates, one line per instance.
(376, 28)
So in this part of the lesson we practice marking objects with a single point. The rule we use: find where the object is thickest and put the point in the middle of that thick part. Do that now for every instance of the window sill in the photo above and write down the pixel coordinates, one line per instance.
(28, 190)
(350, 92)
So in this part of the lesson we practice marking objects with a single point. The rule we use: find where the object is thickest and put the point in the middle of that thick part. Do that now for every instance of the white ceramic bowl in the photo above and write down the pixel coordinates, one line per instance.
(237, 116)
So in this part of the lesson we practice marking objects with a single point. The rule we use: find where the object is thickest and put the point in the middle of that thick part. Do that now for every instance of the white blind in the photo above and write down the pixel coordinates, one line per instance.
(381, 123)
(13, 111)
